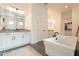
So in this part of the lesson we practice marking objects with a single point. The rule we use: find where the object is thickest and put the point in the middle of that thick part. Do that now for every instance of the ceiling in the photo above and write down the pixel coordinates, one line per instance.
(61, 6)
(21, 6)
(58, 6)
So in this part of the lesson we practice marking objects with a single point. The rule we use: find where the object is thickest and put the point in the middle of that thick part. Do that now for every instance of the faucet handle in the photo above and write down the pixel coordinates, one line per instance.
(55, 34)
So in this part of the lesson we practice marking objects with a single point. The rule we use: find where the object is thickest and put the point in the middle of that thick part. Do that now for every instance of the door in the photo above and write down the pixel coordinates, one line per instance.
(8, 41)
(26, 37)
(2, 41)
(21, 38)
(18, 38)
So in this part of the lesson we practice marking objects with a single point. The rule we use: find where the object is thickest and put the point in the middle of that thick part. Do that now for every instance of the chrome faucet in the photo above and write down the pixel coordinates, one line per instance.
(55, 34)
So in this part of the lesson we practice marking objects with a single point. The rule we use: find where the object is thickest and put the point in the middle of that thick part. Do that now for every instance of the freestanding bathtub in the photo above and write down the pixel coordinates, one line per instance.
(60, 45)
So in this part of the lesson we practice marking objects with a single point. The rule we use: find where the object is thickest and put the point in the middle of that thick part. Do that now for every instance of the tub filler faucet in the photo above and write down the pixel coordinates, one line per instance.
(55, 34)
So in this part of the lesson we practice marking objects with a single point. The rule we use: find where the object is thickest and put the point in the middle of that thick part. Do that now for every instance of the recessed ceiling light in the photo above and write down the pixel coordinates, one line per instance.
(66, 6)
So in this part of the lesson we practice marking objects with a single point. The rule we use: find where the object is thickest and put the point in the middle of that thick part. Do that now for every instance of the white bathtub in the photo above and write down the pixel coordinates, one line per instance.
(63, 46)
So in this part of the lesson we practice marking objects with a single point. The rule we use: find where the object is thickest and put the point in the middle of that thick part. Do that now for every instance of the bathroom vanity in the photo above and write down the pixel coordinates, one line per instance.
(12, 29)
(12, 39)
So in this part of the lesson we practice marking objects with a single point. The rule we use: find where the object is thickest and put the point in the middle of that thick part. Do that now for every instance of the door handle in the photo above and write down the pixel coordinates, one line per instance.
(12, 37)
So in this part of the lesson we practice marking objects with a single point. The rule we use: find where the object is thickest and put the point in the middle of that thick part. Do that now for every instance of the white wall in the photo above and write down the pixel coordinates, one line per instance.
(39, 22)
(55, 15)
(75, 20)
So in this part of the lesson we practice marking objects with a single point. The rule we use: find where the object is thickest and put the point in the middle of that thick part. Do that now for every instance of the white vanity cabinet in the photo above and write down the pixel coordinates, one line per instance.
(20, 38)
(7, 41)
(12, 40)
(2, 41)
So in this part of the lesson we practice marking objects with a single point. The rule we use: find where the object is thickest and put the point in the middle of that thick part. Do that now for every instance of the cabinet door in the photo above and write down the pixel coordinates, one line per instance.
(5, 41)
(17, 37)
(28, 39)
(21, 38)
(8, 42)
(2, 43)
(25, 36)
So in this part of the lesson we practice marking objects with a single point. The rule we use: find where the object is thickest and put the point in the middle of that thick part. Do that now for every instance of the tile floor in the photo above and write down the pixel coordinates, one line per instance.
(37, 49)
(41, 49)
(23, 51)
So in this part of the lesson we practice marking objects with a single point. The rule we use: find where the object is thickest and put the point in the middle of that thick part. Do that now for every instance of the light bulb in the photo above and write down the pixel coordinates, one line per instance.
(11, 22)
(66, 6)
(20, 23)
